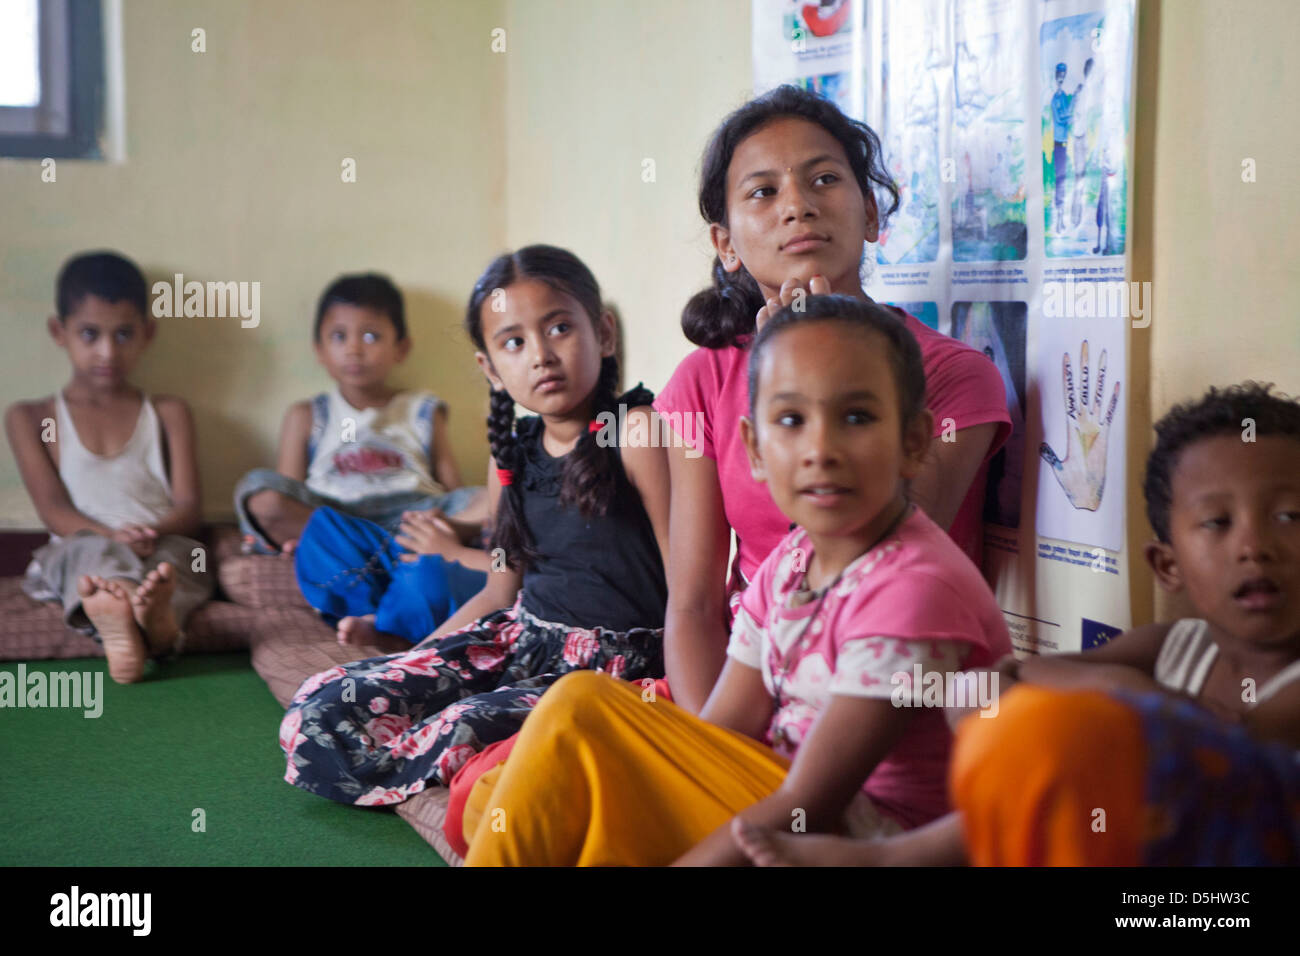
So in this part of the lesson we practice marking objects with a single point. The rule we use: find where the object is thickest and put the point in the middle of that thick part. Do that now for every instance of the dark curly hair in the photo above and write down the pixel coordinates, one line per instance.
(590, 477)
(904, 352)
(1221, 411)
(718, 316)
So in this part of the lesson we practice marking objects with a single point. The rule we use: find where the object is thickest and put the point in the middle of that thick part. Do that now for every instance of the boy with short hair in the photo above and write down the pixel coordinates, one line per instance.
(365, 448)
(113, 475)
(1186, 732)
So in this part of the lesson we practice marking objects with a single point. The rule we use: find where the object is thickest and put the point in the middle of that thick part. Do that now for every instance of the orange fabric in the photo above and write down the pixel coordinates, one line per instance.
(477, 803)
(462, 784)
(1055, 779)
(603, 775)
(463, 812)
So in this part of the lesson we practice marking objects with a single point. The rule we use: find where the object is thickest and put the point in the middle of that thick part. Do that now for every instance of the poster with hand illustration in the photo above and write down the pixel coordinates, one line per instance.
(1081, 455)
(1011, 234)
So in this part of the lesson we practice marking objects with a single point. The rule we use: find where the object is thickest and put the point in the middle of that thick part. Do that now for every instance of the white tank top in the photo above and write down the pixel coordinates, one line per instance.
(1188, 653)
(130, 487)
(362, 452)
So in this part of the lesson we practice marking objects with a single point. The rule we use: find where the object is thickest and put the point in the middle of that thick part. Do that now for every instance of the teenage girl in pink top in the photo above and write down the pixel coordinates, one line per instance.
(788, 186)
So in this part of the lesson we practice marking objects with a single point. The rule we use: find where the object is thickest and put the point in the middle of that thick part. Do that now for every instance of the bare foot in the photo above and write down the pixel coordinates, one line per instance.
(108, 605)
(361, 631)
(766, 847)
(288, 547)
(152, 606)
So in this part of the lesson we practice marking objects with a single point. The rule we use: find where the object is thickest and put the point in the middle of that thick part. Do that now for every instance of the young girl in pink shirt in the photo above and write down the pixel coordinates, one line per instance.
(789, 187)
(810, 725)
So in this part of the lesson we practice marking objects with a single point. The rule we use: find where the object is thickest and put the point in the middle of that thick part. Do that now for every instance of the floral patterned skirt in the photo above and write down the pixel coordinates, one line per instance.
(376, 731)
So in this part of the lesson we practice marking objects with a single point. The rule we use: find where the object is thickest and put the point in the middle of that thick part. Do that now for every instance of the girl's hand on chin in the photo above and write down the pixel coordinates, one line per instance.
(818, 285)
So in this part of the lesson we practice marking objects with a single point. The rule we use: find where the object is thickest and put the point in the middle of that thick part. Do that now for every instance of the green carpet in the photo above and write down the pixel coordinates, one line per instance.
(198, 733)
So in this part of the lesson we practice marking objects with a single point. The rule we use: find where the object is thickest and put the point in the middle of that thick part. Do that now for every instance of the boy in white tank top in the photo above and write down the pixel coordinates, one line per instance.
(113, 475)
(364, 448)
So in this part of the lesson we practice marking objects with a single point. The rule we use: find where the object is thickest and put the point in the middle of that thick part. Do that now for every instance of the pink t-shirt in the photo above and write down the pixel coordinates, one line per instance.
(913, 599)
(961, 384)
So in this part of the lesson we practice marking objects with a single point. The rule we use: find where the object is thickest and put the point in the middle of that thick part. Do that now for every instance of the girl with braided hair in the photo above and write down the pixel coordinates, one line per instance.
(579, 529)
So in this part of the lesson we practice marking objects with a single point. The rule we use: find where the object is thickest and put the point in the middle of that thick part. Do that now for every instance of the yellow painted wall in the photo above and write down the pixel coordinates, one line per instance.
(1223, 256)
(595, 90)
(232, 172)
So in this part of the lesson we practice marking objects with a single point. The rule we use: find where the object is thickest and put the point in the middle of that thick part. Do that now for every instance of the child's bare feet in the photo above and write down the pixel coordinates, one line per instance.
(108, 605)
(361, 631)
(152, 606)
(766, 847)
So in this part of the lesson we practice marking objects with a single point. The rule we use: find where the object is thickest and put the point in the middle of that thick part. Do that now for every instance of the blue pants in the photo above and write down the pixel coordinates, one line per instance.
(350, 567)
(384, 510)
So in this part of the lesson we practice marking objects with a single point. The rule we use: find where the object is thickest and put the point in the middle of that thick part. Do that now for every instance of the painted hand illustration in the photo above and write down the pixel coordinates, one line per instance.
(1082, 474)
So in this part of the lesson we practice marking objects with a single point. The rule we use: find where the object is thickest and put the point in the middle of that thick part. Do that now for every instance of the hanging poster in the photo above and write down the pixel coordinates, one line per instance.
(1007, 127)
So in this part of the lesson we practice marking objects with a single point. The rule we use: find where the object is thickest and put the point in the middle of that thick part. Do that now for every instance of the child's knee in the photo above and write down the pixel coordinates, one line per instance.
(1057, 732)
(322, 519)
(266, 505)
(576, 700)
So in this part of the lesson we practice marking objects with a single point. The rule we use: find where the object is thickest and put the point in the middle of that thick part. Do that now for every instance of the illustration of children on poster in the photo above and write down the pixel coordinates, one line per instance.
(1084, 70)
(988, 210)
(910, 111)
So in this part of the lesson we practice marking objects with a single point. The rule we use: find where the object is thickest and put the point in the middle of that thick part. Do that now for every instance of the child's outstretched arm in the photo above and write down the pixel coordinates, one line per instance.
(1128, 661)
(502, 586)
(182, 467)
(739, 701)
(442, 460)
(851, 736)
(24, 427)
(295, 432)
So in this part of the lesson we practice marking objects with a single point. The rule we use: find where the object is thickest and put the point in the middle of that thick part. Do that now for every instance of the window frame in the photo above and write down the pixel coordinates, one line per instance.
(72, 87)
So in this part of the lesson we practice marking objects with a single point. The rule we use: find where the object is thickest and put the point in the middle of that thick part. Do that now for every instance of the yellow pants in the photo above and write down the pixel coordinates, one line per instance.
(600, 776)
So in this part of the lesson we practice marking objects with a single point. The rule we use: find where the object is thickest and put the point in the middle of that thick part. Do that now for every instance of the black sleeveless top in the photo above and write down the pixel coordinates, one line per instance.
(601, 571)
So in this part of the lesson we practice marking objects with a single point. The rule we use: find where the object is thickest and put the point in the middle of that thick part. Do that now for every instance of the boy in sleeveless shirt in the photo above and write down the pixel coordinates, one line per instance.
(113, 475)
(365, 448)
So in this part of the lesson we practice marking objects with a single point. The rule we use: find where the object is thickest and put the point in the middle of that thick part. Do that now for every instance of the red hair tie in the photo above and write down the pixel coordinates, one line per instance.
(505, 476)
(594, 426)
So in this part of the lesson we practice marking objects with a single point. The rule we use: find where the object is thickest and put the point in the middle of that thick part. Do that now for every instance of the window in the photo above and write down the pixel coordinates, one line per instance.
(51, 78)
